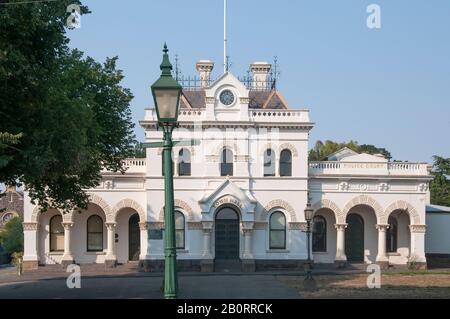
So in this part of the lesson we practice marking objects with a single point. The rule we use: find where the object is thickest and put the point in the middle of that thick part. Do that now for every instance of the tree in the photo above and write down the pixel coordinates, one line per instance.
(322, 150)
(139, 151)
(11, 238)
(7, 141)
(72, 111)
(440, 186)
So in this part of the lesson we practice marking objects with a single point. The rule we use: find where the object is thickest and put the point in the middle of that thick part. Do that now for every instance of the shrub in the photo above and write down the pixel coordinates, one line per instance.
(11, 238)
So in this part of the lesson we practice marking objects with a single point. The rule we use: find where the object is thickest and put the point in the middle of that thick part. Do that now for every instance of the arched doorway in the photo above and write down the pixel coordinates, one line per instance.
(354, 238)
(134, 240)
(227, 234)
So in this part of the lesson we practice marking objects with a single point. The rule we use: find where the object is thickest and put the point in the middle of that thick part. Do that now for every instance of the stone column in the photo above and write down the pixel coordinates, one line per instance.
(31, 247)
(248, 244)
(207, 262)
(341, 258)
(111, 259)
(417, 258)
(143, 226)
(248, 261)
(67, 258)
(382, 258)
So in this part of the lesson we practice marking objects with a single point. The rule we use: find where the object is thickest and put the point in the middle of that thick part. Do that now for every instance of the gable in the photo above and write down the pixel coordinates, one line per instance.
(364, 157)
(341, 154)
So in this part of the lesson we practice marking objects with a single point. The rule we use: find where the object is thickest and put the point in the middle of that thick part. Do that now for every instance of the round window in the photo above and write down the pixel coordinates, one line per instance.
(7, 217)
(227, 97)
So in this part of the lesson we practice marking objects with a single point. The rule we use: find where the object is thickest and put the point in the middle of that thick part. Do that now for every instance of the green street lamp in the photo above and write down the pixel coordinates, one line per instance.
(309, 282)
(166, 94)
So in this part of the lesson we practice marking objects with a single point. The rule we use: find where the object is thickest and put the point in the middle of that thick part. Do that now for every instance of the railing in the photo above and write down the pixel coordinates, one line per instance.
(255, 115)
(279, 115)
(192, 83)
(366, 168)
(135, 165)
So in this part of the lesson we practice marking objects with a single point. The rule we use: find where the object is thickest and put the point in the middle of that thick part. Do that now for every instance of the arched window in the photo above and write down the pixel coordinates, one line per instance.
(95, 233)
(286, 163)
(56, 234)
(391, 235)
(173, 168)
(277, 236)
(269, 163)
(184, 162)
(226, 163)
(179, 230)
(319, 234)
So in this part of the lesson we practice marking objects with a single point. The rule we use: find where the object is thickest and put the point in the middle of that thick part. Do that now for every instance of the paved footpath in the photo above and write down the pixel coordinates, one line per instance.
(191, 287)
(125, 281)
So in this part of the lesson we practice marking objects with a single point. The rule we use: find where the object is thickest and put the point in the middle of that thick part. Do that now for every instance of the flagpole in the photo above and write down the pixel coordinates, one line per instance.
(225, 62)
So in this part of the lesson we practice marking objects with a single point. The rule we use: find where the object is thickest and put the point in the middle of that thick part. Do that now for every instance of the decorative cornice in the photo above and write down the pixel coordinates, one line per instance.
(298, 226)
(67, 225)
(260, 225)
(290, 147)
(111, 225)
(418, 228)
(195, 225)
(247, 226)
(210, 100)
(382, 227)
(244, 100)
(279, 203)
(30, 226)
(340, 226)
(179, 205)
(155, 226)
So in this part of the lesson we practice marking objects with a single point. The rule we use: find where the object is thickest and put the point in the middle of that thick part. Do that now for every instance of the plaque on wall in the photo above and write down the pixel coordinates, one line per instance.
(155, 234)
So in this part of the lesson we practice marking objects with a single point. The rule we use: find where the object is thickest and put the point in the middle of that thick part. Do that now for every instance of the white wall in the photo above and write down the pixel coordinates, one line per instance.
(437, 238)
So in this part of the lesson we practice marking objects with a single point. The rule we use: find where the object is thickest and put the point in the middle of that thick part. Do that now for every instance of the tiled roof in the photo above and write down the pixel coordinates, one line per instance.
(193, 99)
(258, 100)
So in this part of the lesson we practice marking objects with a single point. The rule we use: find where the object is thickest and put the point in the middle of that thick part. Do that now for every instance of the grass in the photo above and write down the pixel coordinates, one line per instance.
(408, 285)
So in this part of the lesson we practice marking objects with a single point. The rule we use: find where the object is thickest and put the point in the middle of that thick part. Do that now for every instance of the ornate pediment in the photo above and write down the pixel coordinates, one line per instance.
(228, 193)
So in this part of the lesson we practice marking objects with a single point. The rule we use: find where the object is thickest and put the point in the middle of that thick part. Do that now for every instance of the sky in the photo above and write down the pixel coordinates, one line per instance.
(389, 87)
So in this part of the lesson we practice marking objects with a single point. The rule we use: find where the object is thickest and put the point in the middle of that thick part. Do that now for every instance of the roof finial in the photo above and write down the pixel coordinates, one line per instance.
(166, 66)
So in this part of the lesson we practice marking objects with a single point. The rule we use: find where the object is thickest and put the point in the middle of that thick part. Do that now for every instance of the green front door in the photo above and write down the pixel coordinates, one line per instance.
(227, 235)
(134, 238)
(354, 238)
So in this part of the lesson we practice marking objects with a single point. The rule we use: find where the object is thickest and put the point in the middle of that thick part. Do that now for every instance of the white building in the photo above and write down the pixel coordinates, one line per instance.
(240, 195)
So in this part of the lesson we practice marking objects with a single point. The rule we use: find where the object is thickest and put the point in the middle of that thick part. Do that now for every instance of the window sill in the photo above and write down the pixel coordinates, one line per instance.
(320, 253)
(95, 253)
(278, 251)
(56, 253)
(394, 254)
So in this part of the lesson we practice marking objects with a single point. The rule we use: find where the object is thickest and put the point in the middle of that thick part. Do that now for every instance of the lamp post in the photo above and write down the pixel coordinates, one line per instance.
(309, 282)
(166, 94)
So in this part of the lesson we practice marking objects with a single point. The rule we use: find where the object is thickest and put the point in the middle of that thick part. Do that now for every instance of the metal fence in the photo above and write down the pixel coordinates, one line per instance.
(192, 83)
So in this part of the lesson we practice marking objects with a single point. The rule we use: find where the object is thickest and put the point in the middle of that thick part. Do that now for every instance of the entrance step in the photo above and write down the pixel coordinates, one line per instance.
(226, 266)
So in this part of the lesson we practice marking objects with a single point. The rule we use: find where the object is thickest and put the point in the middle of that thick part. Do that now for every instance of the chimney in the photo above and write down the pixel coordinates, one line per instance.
(204, 68)
(260, 72)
